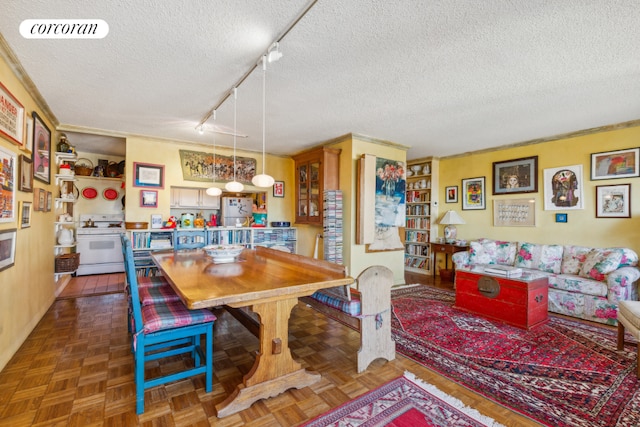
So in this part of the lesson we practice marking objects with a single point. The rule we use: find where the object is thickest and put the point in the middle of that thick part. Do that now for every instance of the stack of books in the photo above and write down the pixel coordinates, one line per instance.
(503, 270)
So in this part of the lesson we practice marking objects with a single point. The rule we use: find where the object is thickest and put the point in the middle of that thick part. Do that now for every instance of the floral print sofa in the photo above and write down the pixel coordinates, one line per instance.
(583, 282)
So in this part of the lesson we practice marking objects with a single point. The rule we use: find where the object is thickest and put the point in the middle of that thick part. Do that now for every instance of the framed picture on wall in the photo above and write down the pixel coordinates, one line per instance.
(148, 175)
(25, 214)
(7, 248)
(473, 193)
(278, 189)
(148, 198)
(25, 183)
(12, 113)
(451, 194)
(516, 176)
(613, 201)
(41, 155)
(563, 188)
(615, 164)
(9, 164)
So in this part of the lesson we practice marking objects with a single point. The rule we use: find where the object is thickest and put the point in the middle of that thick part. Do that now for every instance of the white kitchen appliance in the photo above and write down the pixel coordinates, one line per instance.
(236, 210)
(98, 242)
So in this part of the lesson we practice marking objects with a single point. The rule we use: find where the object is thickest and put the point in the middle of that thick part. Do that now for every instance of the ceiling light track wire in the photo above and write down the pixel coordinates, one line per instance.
(248, 73)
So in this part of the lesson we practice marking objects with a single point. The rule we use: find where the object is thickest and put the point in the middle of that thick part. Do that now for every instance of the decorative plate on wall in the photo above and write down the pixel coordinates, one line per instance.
(110, 193)
(89, 193)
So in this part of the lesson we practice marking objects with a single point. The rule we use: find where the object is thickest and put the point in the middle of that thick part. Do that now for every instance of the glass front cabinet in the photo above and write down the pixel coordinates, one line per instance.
(316, 170)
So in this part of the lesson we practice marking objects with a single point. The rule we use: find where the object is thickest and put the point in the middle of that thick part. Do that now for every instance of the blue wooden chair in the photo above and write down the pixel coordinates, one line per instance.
(192, 239)
(166, 329)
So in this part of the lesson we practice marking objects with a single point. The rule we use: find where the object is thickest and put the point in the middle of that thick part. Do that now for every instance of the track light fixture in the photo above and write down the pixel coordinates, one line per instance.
(213, 190)
(234, 186)
(263, 180)
(274, 52)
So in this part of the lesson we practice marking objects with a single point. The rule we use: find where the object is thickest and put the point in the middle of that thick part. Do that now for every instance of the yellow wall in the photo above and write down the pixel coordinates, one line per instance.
(28, 288)
(167, 154)
(355, 257)
(583, 228)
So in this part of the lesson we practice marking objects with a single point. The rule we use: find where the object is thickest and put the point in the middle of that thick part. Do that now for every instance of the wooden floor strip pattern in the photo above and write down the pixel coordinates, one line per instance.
(76, 369)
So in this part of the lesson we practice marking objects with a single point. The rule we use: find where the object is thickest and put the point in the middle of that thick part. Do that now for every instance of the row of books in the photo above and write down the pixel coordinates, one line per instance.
(414, 262)
(332, 226)
(417, 197)
(418, 210)
(422, 250)
(421, 223)
(416, 236)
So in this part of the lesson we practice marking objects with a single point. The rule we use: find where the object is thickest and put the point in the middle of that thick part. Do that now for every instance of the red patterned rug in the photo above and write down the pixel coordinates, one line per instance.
(404, 402)
(564, 373)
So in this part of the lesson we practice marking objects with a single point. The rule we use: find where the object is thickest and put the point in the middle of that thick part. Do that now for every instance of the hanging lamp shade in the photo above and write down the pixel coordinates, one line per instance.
(263, 180)
(234, 186)
(213, 190)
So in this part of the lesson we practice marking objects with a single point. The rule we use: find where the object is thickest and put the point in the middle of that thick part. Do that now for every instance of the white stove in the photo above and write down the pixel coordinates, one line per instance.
(101, 224)
(99, 244)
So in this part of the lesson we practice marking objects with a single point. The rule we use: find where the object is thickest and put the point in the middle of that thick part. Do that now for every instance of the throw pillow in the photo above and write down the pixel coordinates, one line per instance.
(573, 257)
(600, 262)
(482, 252)
(528, 255)
(506, 252)
(550, 259)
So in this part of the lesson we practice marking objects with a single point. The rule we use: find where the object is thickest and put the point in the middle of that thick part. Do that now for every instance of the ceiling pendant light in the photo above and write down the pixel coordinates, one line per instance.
(213, 190)
(234, 186)
(263, 180)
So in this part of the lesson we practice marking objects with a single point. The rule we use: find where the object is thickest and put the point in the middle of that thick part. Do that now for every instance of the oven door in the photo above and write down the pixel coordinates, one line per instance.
(99, 254)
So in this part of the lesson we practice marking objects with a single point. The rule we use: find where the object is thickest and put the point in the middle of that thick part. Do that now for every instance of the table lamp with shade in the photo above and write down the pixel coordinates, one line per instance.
(449, 220)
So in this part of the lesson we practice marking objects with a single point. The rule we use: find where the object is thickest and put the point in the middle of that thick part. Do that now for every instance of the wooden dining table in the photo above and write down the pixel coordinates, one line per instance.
(267, 281)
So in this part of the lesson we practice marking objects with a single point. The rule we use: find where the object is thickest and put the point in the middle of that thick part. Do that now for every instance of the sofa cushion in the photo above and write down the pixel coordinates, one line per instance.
(572, 258)
(600, 262)
(505, 252)
(577, 284)
(546, 258)
(482, 251)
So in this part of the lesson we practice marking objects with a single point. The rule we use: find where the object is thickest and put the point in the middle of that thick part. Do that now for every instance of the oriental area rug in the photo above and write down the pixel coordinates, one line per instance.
(404, 402)
(563, 373)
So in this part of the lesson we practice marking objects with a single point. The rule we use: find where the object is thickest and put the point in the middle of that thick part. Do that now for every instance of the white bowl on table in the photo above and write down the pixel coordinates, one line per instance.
(223, 253)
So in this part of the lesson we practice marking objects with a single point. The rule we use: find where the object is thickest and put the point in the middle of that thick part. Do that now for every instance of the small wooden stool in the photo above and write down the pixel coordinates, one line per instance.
(629, 318)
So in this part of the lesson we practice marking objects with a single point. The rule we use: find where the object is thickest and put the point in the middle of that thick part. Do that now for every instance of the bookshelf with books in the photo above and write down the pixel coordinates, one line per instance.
(144, 242)
(332, 226)
(421, 214)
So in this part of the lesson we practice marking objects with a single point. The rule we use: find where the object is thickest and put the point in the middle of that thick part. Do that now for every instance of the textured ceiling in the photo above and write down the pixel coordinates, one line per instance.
(442, 77)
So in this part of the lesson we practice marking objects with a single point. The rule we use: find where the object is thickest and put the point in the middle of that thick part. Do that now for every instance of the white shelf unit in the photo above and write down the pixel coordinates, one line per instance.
(144, 242)
(64, 205)
(421, 214)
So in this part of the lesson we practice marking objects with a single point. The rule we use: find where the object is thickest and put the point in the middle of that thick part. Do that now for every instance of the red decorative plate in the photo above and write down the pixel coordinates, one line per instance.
(110, 194)
(89, 193)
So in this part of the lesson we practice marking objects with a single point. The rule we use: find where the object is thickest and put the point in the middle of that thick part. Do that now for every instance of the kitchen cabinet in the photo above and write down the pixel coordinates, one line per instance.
(184, 197)
(316, 170)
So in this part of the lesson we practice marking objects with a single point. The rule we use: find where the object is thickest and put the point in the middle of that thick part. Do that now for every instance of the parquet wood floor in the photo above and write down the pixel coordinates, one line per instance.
(76, 369)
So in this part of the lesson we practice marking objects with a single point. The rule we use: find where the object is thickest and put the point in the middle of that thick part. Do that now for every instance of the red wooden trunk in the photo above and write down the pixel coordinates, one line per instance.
(520, 301)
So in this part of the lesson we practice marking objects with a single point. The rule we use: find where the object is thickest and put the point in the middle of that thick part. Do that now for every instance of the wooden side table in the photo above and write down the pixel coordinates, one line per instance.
(446, 249)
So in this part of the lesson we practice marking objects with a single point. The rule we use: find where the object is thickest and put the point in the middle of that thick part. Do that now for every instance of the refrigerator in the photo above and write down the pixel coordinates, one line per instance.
(236, 210)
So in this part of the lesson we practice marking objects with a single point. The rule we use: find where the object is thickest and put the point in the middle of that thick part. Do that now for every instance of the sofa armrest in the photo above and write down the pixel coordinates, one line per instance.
(461, 259)
(622, 284)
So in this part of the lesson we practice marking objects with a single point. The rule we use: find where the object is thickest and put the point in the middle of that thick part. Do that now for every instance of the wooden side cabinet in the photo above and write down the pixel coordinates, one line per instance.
(316, 170)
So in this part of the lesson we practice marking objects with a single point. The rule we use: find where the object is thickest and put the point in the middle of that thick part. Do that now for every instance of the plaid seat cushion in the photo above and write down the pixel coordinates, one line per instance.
(160, 317)
(156, 294)
(145, 282)
(351, 307)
